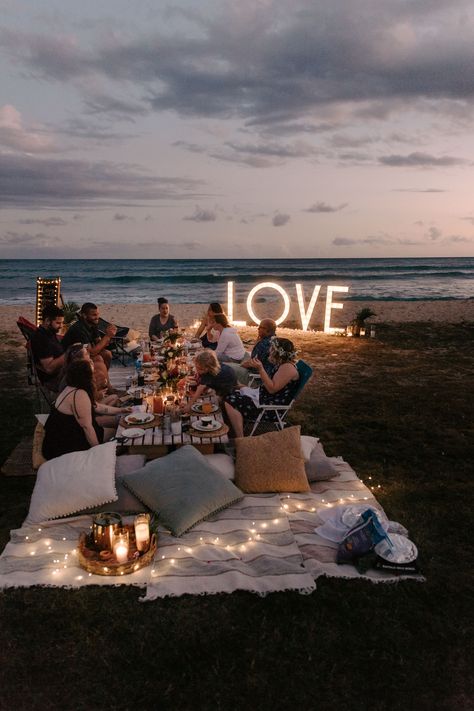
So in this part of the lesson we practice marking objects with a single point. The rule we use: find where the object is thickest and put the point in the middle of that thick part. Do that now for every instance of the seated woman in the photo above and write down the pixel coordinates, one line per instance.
(230, 348)
(162, 321)
(279, 389)
(212, 374)
(206, 331)
(71, 425)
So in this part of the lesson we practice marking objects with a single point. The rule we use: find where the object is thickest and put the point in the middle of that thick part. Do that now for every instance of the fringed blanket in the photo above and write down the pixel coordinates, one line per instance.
(264, 543)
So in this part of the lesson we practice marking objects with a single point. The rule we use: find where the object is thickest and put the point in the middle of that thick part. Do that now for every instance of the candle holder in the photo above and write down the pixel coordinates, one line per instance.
(142, 532)
(104, 526)
(120, 545)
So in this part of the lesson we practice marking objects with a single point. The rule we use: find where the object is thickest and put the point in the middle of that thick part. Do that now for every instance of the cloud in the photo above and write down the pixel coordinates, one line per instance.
(280, 219)
(434, 233)
(324, 207)
(15, 136)
(119, 217)
(418, 190)
(201, 215)
(257, 155)
(420, 160)
(26, 239)
(29, 181)
(468, 219)
(47, 222)
(271, 61)
(350, 241)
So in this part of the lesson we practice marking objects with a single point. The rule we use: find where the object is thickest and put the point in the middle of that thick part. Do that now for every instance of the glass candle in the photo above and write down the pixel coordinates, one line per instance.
(142, 532)
(120, 546)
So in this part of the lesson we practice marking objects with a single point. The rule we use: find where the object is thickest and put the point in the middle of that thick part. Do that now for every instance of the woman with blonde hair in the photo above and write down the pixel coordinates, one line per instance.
(277, 389)
(212, 374)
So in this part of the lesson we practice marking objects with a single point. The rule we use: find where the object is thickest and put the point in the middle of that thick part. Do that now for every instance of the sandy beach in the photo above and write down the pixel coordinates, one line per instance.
(138, 316)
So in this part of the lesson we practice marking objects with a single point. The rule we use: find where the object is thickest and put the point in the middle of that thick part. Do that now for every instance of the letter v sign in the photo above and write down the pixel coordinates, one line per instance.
(306, 315)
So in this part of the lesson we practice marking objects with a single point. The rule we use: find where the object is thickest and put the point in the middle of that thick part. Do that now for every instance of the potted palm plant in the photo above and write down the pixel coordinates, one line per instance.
(359, 320)
(70, 309)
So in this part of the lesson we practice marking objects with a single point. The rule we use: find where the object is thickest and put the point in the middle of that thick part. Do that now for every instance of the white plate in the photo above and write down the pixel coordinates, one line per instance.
(401, 550)
(146, 391)
(133, 433)
(212, 427)
(197, 407)
(139, 418)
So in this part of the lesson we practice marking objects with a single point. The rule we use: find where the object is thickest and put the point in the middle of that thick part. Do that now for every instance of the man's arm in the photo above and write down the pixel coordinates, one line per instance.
(51, 365)
(102, 343)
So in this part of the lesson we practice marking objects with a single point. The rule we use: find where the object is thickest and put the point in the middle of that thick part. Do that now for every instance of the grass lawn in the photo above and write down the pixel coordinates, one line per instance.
(398, 409)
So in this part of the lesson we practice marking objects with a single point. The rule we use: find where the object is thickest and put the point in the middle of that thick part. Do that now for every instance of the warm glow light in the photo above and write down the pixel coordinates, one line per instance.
(268, 285)
(306, 315)
(230, 305)
(330, 305)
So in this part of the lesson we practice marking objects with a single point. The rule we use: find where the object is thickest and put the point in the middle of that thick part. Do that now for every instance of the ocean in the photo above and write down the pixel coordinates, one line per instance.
(205, 280)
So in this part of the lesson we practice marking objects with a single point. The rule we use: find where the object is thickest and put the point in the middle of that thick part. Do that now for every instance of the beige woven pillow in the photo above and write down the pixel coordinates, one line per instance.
(270, 462)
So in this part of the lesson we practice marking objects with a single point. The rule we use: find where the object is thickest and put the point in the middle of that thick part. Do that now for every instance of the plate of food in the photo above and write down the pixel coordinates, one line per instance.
(133, 433)
(144, 391)
(206, 424)
(139, 418)
(204, 408)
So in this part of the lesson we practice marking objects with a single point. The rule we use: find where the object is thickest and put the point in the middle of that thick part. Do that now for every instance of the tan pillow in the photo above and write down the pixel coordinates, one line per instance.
(37, 453)
(270, 462)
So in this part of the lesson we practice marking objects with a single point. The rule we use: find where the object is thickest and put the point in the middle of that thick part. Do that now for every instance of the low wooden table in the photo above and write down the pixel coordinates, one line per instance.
(156, 443)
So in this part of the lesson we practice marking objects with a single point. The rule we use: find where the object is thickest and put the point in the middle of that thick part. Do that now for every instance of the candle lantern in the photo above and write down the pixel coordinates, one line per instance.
(142, 532)
(104, 525)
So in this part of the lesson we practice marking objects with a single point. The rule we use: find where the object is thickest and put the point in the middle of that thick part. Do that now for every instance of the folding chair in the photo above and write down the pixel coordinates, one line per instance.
(44, 396)
(305, 372)
(117, 346)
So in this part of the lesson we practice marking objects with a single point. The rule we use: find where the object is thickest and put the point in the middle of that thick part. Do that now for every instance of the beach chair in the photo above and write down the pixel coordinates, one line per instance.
(44, 396)
(281, 411)
(119, 348)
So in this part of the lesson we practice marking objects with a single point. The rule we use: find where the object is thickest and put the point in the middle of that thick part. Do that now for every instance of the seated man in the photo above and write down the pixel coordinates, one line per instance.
(47, 349)
(266, 331)
(85, 331)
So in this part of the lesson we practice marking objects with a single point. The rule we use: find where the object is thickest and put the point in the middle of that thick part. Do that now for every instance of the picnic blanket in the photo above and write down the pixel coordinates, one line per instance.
(263, 543)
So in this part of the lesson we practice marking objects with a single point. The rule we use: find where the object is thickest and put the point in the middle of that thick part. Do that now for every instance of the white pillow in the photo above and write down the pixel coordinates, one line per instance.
(222, 463)
(73, 482)
(307, 445)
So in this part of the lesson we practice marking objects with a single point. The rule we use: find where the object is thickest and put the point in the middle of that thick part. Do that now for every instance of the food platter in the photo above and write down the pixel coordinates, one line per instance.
(139, 418)
(198, 407)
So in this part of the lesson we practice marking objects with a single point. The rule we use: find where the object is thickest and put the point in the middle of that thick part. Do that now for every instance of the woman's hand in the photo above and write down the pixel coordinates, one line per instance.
(125, 410)
(258, 364)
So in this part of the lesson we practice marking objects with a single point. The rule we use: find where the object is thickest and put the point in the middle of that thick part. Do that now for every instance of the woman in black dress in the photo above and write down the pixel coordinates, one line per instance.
(71, 425)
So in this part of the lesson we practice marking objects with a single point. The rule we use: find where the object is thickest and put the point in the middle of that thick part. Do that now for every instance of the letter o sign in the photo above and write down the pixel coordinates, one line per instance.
(268, 285)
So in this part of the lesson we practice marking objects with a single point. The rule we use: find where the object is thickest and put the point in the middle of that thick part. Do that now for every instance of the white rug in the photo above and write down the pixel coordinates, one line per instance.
(264, 543)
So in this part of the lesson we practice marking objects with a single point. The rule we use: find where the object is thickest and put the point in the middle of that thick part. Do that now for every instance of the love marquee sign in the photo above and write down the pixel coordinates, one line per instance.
(305, 311)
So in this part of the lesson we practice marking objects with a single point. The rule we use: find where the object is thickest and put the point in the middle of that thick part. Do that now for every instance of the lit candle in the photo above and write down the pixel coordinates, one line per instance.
(121, 546)
(142, 532)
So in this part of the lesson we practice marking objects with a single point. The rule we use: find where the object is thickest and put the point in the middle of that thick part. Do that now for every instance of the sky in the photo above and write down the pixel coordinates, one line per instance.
(251, 128)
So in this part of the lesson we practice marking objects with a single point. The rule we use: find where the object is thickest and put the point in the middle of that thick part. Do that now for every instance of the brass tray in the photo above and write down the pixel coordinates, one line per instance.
(89, 557)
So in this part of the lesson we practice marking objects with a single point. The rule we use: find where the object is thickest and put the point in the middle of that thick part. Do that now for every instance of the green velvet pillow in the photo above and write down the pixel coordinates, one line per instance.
(182, 489)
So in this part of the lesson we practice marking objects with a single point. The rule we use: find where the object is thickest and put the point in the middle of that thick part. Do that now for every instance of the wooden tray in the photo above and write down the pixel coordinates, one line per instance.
(89, 557)
(212, 433)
